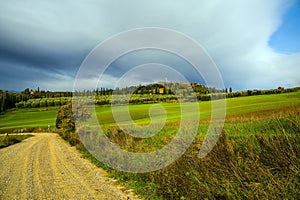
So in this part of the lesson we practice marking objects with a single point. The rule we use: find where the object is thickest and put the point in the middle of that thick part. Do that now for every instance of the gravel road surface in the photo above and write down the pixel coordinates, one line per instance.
(46, 167)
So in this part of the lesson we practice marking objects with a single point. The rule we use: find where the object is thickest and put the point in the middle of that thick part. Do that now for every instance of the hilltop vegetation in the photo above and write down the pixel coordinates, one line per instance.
(152, 93)
(25, 99)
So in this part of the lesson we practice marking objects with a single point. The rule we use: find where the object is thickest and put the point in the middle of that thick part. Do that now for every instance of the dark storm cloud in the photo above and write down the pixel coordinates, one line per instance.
(140, 57)
(47, 55)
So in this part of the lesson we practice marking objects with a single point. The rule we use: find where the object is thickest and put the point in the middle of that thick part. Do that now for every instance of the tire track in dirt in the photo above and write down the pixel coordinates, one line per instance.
(12, 168)
(46, 167)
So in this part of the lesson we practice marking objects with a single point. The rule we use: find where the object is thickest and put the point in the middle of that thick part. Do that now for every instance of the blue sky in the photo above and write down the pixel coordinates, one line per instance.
(287, 38)
(255, 44)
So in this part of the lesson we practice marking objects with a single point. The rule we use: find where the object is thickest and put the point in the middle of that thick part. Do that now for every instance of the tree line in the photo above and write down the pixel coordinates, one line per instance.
(10, 100)
(152, 93)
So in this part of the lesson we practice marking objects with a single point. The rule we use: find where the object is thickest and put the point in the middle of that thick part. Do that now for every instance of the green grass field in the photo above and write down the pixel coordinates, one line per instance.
(235, 107)
(28, 118)
(42, 117)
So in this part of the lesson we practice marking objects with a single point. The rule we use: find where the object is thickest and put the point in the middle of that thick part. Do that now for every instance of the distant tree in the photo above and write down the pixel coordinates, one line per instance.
(27, 91)
(230, 89)
(249, 93)
(280, 88)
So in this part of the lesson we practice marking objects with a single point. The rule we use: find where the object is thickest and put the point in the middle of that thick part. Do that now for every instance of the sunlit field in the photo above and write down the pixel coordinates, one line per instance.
(236, 108)
(28, 118)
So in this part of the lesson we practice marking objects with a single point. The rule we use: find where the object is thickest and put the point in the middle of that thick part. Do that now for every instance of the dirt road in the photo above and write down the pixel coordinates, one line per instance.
(46, 167)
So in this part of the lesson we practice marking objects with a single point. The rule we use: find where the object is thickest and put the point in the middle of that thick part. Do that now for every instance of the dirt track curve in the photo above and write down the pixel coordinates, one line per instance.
(46, 167)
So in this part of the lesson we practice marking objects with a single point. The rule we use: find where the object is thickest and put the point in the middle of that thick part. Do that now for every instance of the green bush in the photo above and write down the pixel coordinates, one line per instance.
(65, 122)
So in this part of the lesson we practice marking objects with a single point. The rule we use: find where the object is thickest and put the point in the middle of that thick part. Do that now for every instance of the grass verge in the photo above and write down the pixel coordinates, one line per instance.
(7, 140)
